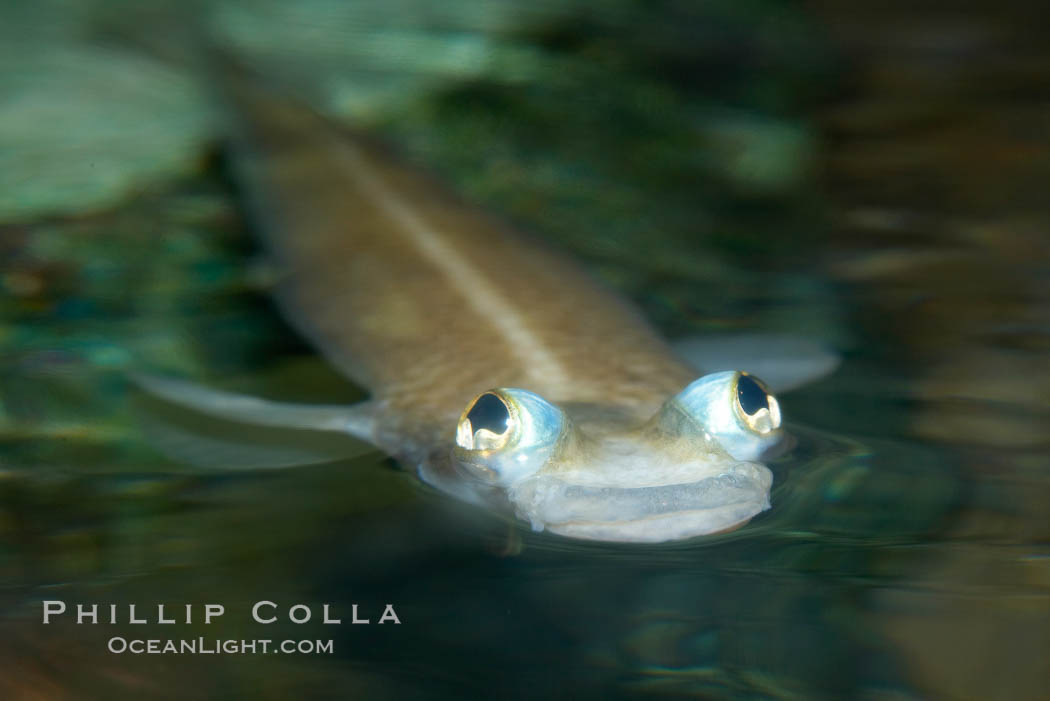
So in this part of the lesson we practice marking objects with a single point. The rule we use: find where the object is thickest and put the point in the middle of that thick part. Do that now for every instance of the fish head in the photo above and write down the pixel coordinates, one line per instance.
(691, 469)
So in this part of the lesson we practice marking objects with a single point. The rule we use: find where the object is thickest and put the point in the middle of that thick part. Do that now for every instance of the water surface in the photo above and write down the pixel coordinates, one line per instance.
(905, 555)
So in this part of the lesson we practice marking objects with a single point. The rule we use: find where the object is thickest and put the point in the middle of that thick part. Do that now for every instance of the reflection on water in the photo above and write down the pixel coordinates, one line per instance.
(905, 555)
(944, 237)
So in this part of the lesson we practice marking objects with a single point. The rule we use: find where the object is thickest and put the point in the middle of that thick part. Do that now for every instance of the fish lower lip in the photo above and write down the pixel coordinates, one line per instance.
(661, 528)
(547, 500)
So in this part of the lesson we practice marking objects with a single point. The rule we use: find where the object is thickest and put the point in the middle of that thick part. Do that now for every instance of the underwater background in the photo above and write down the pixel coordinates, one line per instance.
(873, 176)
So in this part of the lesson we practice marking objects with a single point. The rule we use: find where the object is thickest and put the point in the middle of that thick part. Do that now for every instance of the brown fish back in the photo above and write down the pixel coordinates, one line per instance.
(424, 299)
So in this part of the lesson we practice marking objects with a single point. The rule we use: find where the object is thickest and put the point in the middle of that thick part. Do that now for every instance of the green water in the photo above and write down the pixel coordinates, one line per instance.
(847, 177)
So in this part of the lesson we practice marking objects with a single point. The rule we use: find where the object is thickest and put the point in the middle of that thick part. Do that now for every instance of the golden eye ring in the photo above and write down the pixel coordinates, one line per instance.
(754, 404)
(486, 424)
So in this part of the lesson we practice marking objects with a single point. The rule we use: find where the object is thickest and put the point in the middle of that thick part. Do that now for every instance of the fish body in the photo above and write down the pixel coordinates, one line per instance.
(498, 369)
(423, 299)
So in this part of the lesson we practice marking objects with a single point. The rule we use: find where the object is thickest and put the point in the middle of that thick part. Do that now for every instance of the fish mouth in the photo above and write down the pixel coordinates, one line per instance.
(649, 514)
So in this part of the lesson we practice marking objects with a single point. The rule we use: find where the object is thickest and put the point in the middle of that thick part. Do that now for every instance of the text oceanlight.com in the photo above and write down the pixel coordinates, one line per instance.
(211, 646)
(171, 616)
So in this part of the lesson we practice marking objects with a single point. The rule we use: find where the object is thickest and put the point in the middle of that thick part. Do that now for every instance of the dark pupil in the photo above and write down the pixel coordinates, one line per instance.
(750, 395)
(489, 412)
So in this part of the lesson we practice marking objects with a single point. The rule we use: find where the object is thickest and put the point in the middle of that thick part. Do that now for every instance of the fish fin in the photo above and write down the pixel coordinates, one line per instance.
(783, 361)
(198, 441)
(211, 428)
(355, 420)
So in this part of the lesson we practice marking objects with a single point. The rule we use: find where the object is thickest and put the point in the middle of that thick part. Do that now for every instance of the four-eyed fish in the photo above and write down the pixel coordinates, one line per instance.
(498, 370)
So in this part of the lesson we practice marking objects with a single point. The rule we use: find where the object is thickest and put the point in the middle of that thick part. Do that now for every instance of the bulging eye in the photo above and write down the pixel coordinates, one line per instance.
(758, 407)
(736, 409)
(486, 425)
(505, 435)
